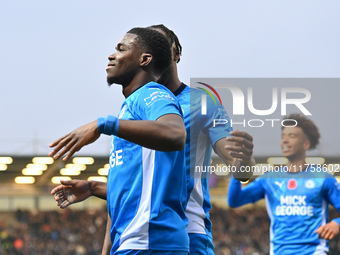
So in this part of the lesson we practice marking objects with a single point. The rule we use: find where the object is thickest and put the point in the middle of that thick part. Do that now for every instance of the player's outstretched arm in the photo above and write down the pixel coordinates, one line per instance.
(238, 196)
(237, 151)
(74, 191)
(74, 141)
(167, 133)
(328, 231)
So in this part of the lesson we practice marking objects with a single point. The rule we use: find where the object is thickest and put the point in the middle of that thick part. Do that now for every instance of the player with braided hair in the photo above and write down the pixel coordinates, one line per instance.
(200, 131)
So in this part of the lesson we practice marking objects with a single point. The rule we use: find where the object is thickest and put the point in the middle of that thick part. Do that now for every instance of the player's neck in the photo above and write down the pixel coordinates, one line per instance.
(139, 80)
(296, 165)
(173, 83)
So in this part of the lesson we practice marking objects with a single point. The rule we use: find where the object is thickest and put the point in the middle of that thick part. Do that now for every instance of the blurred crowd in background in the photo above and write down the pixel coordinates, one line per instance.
(64, 232)
(243, 231)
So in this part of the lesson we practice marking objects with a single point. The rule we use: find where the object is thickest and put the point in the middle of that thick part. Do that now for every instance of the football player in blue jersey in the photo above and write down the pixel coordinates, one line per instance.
(297, 195)
(199, 128)
(146, 190)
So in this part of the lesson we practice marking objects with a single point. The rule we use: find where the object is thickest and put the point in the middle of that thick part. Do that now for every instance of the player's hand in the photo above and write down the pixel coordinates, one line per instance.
(242, 147)
(70, 192)
(74, 141)
(328, 231)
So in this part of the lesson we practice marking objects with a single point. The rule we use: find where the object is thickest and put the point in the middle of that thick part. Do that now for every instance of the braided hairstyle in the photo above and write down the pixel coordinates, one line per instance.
(171, 36)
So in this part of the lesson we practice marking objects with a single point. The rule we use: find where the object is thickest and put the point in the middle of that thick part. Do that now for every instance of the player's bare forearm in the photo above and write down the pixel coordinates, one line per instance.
(74, 191)
(166, 134)
(71, 192)
(98, 189)
(237, 151)
(107, 240)
(74, 141)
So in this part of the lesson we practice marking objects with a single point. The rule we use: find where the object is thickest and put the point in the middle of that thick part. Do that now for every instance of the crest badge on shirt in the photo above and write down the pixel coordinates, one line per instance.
(292, 184)
(309, 184)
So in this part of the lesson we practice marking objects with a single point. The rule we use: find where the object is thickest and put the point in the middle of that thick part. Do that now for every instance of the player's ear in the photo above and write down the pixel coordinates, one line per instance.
(145, 59)
(306, 145)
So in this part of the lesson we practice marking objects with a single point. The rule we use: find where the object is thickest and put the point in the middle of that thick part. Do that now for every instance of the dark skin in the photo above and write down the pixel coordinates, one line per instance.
(132, 68)
(234, 150)
(129, 66)
(74, 191)
(69, 192)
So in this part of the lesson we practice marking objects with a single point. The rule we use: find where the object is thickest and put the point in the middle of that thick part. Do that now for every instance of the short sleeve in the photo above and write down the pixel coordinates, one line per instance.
(331, 191)
(155, 101)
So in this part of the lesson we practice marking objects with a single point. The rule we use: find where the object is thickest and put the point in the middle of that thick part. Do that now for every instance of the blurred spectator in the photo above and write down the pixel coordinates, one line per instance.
(243, 231)
(64, 232)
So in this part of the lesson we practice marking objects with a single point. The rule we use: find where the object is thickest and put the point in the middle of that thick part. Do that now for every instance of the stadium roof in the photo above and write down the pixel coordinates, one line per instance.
(42, 170)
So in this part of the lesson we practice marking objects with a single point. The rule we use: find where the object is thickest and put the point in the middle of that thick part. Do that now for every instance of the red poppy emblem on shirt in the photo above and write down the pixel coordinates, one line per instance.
(292, 184)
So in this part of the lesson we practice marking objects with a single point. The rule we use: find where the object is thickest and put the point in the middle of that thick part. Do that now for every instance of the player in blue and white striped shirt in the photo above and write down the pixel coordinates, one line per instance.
(297, 196)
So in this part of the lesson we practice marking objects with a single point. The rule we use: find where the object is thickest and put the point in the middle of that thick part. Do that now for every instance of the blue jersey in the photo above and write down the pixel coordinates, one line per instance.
(201, 136)
(146, 193)
(297, 205)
